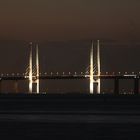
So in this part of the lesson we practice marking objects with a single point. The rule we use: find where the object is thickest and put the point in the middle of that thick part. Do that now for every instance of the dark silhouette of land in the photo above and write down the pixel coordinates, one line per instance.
(70, 116)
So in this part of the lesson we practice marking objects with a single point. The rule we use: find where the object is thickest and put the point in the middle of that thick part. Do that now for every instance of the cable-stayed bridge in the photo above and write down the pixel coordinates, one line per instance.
(93, 73)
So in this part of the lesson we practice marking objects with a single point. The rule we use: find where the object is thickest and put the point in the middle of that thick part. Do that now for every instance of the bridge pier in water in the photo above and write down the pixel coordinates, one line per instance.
(16, 86)
(136, 86)
(116, 86)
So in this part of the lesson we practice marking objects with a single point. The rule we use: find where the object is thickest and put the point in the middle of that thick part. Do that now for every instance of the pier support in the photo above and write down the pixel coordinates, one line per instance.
(16, 86)
(136, 86)
(116, 86)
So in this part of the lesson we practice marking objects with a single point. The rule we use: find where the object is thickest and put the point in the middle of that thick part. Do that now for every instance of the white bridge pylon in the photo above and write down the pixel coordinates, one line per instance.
(33, 80)
(95, 83)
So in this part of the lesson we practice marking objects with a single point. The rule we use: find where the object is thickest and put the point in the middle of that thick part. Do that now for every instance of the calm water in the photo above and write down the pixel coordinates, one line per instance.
(111, 117)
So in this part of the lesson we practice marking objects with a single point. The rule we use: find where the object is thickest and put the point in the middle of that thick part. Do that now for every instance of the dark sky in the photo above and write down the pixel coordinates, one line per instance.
(69, 19)
(63, 29)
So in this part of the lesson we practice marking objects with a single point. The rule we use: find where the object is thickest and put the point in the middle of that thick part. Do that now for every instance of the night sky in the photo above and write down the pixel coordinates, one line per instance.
(69, 19)
(64, 29)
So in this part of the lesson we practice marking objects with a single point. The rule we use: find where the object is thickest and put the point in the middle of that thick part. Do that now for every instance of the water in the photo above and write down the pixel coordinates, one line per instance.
(71, 116)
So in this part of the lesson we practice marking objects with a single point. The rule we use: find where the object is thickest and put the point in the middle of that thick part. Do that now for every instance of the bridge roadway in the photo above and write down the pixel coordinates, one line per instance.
(22, 77)
(70, 116)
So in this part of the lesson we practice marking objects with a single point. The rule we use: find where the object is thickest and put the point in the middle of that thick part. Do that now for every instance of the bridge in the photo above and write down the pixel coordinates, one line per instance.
(93, 74)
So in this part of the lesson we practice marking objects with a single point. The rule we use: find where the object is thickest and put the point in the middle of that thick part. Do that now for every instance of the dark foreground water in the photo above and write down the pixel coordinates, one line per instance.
(71, 116)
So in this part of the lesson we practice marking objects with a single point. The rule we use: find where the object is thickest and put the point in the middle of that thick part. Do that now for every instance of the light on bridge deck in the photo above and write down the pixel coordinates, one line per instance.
(106, 73)
(133, 72)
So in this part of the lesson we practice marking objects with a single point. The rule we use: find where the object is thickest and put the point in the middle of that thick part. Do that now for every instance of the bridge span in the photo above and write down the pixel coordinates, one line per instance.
(33, 74)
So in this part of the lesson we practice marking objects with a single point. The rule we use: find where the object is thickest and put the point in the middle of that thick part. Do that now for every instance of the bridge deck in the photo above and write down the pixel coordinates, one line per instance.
(71, 77)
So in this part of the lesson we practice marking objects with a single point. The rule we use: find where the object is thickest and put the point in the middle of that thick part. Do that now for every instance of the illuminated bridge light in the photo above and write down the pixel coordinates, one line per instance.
(125, 72)
(119, 72)
(75, 73)
(106, 73)
(113, 73)
(87, 76)
(63, 73)
(69, 73)
(7, 74)
(81, 72)
(45, 73)
(133, 72)
(51, 73)
(17, 74)
(57, 73)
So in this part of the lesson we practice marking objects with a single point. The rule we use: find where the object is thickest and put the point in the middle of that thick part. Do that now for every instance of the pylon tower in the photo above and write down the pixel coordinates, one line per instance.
(95, 83)
(31, 69)
(33, 77)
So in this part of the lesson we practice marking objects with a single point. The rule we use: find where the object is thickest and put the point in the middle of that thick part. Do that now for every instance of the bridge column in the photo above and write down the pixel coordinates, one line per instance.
(95, 69)
(116, 86)
(30, 70)
(98, 67)
(16, 86)
(91, 86)
(136, 86)
(37, 70)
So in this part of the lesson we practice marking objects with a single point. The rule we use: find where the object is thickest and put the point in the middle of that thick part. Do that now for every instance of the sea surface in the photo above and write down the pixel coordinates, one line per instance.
(69, 116)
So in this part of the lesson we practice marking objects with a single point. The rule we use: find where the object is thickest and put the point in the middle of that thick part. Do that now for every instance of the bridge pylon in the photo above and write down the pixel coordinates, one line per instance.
(31, 69)
(33, 76)
(95, 83)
